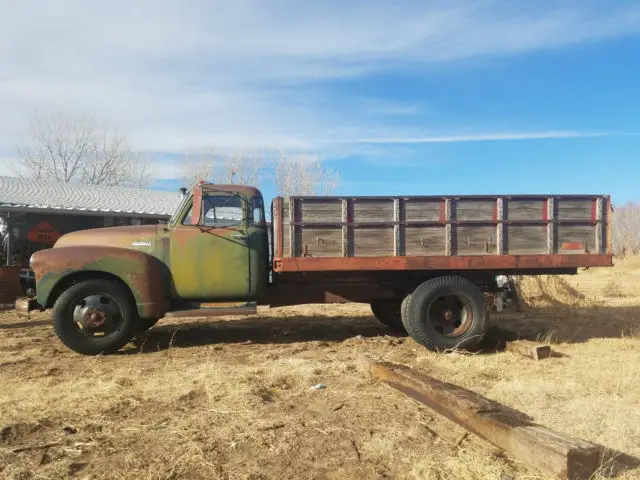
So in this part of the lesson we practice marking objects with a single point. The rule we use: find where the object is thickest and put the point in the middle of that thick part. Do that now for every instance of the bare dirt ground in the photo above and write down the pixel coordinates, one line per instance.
(231, 398)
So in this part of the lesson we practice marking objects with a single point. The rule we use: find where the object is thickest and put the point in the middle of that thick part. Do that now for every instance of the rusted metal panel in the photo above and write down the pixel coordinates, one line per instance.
(196, 211)
(210, 262)
(479, 262)
(144, 274)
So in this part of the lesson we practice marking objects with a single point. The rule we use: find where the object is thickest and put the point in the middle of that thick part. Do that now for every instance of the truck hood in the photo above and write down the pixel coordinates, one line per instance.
(137, 237)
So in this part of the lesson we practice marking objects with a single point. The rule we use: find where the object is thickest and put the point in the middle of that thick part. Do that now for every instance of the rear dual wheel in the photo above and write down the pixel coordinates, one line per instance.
(446, 313)
(389, 313)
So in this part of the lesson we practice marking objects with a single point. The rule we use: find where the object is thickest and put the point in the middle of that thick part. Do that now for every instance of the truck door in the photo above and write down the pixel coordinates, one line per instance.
(209, 255)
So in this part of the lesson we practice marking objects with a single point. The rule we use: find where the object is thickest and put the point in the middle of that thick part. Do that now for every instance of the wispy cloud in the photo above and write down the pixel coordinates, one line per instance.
(247, 73)
(484, 137)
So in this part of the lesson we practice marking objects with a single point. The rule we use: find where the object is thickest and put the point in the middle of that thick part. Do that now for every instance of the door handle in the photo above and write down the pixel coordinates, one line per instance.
(239, 236)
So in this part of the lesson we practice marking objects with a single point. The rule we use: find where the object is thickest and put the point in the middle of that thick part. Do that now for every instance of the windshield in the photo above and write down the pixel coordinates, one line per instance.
(174, 217)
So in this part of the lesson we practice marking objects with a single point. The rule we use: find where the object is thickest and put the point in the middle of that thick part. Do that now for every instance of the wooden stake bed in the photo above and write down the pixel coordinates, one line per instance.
(441, 233)
(551, 452)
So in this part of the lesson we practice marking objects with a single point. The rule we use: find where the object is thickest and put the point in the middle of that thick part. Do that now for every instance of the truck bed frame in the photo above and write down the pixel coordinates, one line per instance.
(513, 234)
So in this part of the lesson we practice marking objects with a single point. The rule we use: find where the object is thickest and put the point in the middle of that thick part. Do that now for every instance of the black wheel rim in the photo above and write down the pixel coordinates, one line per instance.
(450, 315)
(97, 316)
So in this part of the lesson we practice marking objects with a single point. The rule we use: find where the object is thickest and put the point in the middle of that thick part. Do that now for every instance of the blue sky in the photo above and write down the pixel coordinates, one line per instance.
(408, 97)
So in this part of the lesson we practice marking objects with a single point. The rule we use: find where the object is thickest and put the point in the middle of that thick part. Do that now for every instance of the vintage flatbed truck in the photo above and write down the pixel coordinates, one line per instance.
(422, 263)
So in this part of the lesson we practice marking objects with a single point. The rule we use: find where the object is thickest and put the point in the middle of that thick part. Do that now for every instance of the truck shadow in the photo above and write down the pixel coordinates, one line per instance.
(262, 330)
(550, 325)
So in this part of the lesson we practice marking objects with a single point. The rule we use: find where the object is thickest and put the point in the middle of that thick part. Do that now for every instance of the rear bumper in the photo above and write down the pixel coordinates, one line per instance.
(26, 305)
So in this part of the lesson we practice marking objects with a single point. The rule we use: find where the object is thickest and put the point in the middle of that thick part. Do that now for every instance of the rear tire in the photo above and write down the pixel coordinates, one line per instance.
(446, 313)
(95, 316)
(389, 313)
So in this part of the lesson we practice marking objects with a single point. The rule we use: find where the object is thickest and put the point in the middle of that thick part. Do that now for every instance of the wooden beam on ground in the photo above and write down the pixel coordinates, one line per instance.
(529, 349)
(550, 452)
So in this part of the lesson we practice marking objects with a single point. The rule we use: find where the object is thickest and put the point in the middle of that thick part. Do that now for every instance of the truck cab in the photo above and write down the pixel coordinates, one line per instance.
(228, 223)
(106, 284)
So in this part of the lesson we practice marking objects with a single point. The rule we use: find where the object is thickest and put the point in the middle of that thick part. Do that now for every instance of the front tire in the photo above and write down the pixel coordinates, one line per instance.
(95, 316)
(446, 313)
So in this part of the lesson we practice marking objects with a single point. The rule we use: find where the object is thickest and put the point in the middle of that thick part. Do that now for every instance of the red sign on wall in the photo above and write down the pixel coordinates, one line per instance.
(43, 233)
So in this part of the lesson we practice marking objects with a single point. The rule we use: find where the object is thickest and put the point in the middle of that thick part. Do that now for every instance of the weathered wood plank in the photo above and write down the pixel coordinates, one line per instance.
(475, 240)
(500, 227)
(422, 210)
(569, 209)
(448, 231)
(345, 227)
(575, 238)
(424, 240)
(529, 349)
(551, 228)
(292, 228)
(373, 241)
(397, 244)
(523, 209)
(599, 227)
(477, 210)
(319, 210)
(525, 239)
(319, 241)
(548, 451)
(365, 210)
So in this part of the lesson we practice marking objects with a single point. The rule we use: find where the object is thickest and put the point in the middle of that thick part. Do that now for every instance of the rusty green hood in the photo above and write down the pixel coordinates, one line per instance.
(140, 237)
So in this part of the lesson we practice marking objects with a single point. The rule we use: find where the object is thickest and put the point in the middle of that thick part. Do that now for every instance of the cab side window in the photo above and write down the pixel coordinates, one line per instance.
(257, 209)
(222, 210)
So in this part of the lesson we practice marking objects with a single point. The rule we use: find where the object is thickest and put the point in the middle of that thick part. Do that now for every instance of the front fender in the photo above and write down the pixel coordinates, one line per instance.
(144, 274)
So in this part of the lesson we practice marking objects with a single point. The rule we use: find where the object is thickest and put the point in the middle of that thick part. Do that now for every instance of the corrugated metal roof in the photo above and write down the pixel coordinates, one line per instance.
(42, 194)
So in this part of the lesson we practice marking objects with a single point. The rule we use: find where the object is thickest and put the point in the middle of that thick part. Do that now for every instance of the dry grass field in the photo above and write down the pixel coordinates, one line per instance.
(231, 398)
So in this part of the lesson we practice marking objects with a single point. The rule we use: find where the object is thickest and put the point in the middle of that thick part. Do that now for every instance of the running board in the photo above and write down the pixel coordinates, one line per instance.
(215, 310)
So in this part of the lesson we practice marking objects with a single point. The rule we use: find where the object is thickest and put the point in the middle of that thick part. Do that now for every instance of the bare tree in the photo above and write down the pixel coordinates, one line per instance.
(69, 148)
(626, 228)
(303, 174)
(244, 168)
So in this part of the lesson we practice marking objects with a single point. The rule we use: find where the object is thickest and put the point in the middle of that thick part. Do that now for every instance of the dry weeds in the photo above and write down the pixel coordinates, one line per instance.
(231, 399)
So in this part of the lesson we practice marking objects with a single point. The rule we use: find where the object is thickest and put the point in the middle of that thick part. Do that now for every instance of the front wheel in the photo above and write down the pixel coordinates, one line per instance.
(446, 313)
(95, 316)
